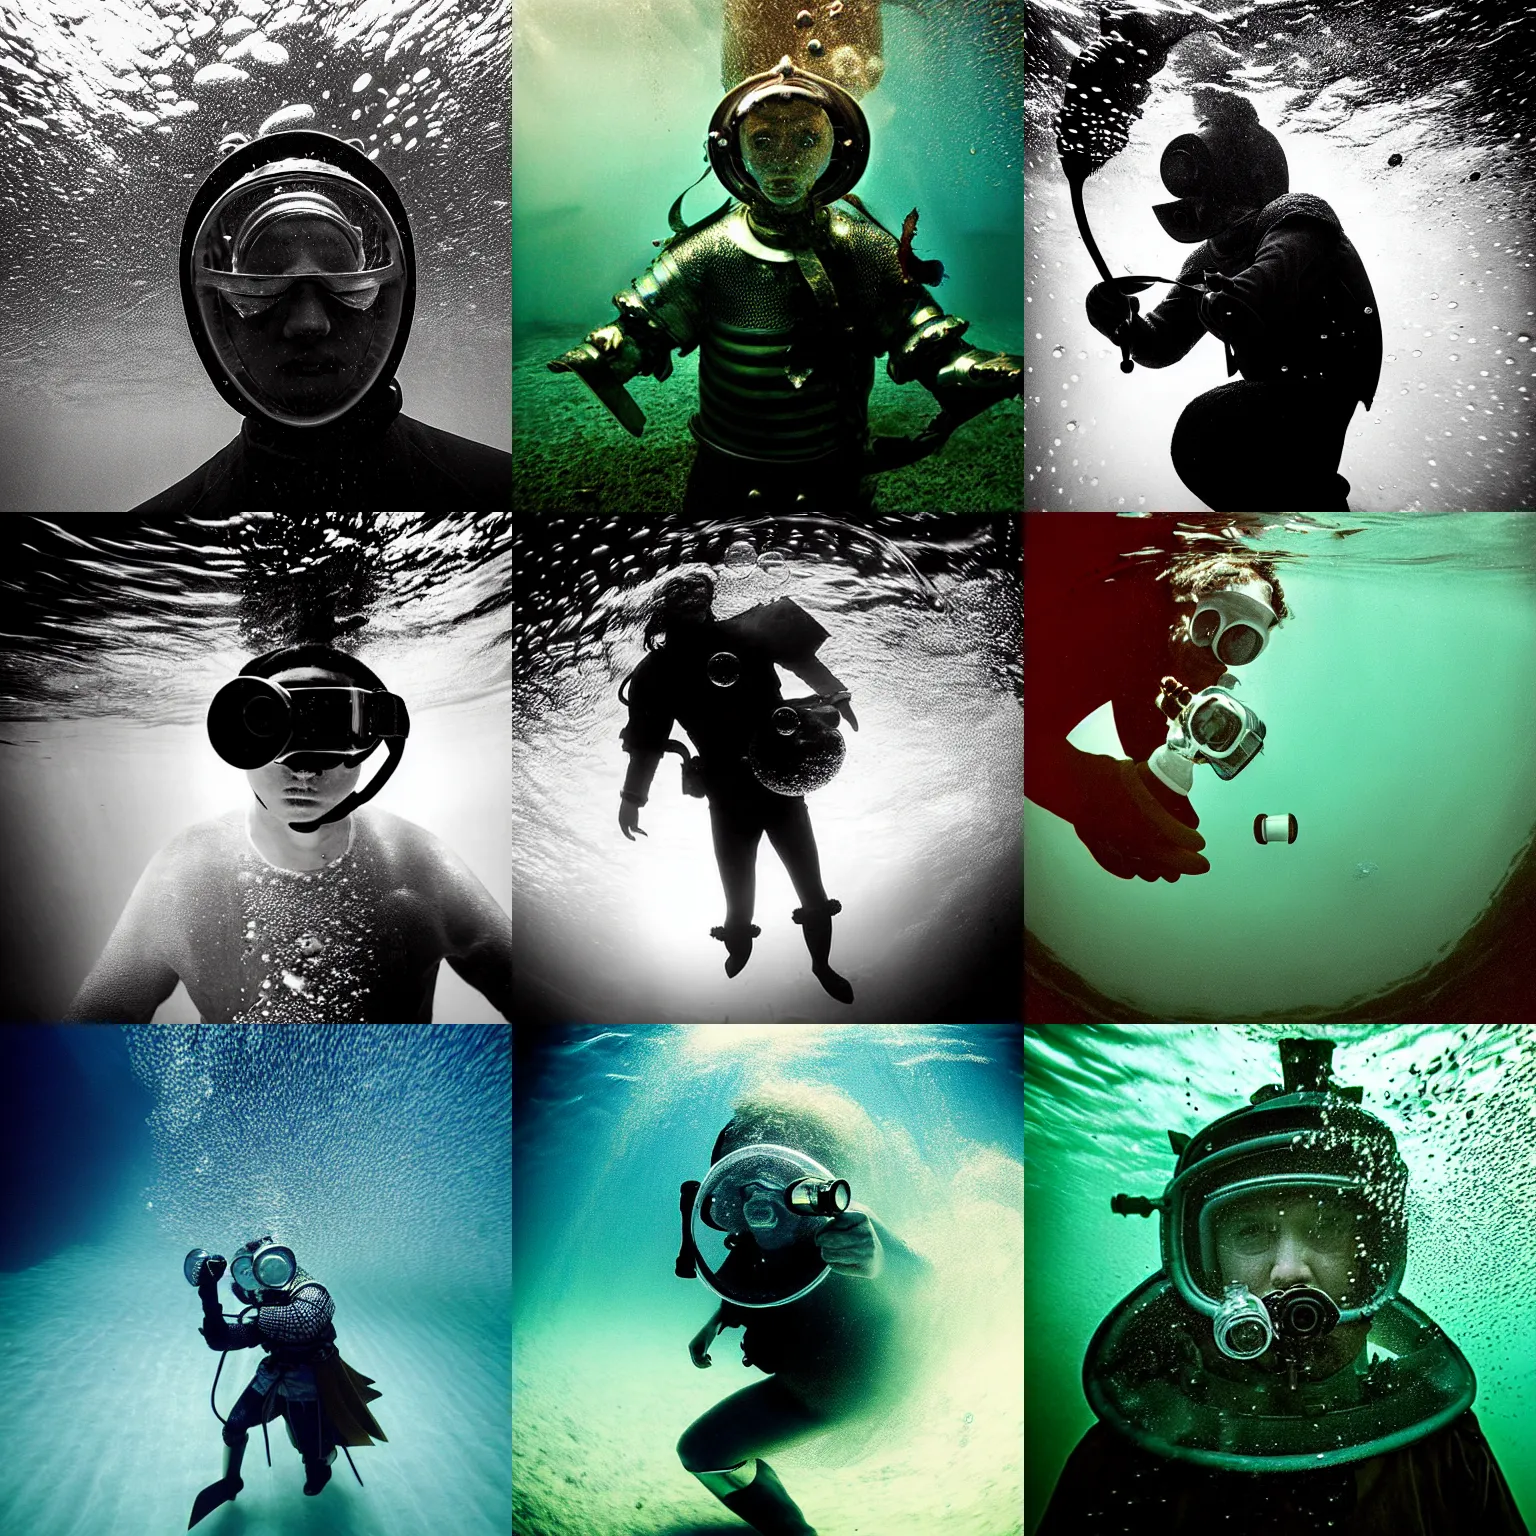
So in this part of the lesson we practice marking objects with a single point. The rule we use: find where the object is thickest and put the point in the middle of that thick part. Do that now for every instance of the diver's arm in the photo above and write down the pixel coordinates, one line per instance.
(1168, 333)
(1263, 298)
(901, 1260)
(928, 347)
(218, 1333)
(133, 976)
(645, 736)
(1059, 777)
(826, 683)
(698, 1345)
(477, 933)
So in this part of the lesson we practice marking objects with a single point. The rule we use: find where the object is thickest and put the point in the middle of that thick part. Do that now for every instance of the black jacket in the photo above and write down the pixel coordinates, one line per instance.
(375, 460)
(1447, 1484)
(1298, 304)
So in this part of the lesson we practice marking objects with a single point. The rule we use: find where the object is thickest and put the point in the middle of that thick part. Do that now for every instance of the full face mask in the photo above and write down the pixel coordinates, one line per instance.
(1233, 164)
(253, 721)
(297, 275)
(1199, 1365)
(1212, 726)
(749, 1228)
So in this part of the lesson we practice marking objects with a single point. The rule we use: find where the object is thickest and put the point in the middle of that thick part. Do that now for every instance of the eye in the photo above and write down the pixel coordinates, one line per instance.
(762, 141)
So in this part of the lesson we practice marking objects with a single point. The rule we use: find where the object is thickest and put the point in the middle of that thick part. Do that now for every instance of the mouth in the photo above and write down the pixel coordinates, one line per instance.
(309, 367)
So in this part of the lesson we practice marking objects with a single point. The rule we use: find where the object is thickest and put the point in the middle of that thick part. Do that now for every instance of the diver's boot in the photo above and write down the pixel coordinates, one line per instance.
(816, 920)
(317, 1473)
(753, 1492)
(222, 1491)
(737, 938)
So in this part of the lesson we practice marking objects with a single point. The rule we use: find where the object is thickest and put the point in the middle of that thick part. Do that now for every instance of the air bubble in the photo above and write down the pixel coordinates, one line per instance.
(723, 668)
(1071, 426)
(740, 558)
(1058, 351)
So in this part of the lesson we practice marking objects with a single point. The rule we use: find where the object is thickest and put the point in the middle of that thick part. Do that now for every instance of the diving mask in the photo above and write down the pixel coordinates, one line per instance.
(298, 208)
(1234, 623)
(1212, 726)
(262, 1265)
(749, 1228)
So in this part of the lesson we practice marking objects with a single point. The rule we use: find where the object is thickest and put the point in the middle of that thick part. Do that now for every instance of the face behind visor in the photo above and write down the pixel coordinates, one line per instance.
(298, 278)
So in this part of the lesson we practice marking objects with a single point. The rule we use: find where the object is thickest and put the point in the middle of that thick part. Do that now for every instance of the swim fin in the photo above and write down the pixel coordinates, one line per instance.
(223, 1491)
(212, 1496)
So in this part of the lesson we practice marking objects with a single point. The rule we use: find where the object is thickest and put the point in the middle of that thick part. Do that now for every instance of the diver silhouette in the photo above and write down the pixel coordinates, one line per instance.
(716, 679)
(823, 1298)
(1277, 281)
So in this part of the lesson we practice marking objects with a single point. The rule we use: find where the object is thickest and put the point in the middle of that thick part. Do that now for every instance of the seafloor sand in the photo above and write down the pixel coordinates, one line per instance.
(570, 455)
(595, 1428)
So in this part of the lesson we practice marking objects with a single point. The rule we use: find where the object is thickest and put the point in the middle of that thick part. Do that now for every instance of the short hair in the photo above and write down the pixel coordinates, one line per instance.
(1194, 577)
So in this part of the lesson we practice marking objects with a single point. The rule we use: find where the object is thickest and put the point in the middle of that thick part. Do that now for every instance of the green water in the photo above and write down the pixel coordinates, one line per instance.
(1399, 735)
(1099, 1101)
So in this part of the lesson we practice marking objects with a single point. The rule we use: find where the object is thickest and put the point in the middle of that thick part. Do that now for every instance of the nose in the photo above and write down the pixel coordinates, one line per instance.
(1291, 1263)
(306, 316)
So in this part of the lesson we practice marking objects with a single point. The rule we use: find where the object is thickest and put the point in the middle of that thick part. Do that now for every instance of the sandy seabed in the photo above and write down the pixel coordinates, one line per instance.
(595, 1428)
(570, 455)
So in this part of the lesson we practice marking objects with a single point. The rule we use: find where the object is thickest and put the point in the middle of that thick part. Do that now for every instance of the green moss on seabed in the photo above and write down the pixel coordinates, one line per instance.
(570, 455)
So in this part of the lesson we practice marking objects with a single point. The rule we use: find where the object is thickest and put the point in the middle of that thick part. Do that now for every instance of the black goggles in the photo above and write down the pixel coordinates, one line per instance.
(254, 721)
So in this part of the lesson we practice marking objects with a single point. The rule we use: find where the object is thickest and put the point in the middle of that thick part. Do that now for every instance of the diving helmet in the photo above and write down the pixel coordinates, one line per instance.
(1232, 165)
(749, 1228)
(262, 1266)
(784, 82)
(1274, 1338)
(299, 210)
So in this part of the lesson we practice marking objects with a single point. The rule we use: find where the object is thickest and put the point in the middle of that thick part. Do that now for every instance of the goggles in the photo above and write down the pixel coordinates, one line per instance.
(1234, 624)
(262, 1266)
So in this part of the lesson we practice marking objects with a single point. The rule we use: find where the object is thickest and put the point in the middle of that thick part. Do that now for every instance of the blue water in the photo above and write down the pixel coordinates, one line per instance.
(378, 1153)
(608, 1123)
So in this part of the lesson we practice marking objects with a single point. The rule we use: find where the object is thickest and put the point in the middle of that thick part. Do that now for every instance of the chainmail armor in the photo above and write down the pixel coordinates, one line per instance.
(306, 1319)
(780, 378)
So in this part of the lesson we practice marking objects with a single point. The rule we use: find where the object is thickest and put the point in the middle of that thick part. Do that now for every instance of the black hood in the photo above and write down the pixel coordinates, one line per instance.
(381, 395)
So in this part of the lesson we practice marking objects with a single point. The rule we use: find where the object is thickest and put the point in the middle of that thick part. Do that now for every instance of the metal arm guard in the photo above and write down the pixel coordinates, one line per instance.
(932, 339)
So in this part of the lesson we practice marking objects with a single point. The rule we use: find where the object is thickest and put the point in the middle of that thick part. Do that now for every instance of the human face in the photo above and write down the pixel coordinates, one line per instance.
(786, 147)
(1278, 1238)
(307, 349)
(303, 794)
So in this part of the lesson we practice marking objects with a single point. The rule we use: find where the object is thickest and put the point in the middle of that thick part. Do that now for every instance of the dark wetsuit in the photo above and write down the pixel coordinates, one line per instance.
(1299, 323)
(1447, 1484)
(673, 684)
(376, 460)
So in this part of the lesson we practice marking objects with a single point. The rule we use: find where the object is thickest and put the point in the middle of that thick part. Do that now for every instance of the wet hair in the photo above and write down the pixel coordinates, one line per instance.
(814, 1118)
(1194, 577)
(666, 601)
(323, 657)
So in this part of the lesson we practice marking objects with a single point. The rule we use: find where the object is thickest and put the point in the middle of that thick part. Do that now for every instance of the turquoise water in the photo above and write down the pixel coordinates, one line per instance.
(1399, 736)
(1098, 1102)
(607, 1125)
(379, 1154)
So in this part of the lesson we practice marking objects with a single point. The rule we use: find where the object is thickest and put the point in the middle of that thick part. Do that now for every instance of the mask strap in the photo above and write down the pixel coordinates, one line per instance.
(396, 748)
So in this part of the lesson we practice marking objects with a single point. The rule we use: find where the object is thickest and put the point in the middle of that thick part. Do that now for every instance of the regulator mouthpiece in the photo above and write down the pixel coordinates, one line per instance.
(1242, 1325)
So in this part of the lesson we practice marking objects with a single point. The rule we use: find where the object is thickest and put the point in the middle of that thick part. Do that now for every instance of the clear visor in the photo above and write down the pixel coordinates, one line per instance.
(299, 275)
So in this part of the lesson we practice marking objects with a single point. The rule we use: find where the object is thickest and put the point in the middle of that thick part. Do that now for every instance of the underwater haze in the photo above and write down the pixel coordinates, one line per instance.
(1397, 702)
(1098, 1104)
(609, 118)
(918, 832)
(607, 1125)
(119, 632)
(110, 118)
(1412, 120)
(379, 1153)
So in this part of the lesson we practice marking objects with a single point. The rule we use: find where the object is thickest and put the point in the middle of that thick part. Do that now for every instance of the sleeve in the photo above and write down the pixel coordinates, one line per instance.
(1168, 333)
(650, 725)
(785, 630)
(1263, 299)
(302, 1321)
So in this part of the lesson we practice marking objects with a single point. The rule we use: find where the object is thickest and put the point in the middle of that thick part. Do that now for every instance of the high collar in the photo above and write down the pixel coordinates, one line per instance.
(367, 420)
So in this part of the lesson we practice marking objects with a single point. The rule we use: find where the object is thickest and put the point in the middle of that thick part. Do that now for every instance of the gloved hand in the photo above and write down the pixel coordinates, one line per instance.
(1129, 833)
(629, 820)
(1110, 311)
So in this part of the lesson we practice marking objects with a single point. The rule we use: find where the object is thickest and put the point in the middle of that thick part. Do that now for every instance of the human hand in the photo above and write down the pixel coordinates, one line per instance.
(698, 1347)
(1130, 833)
(629, 820)
(844, 702)
(1109, 310)
(850, 1245)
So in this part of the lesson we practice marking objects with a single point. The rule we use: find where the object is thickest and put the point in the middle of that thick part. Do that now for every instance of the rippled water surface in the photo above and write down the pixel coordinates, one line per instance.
(117, 635)
(110, 117)
(1412, 121)
(918, 833)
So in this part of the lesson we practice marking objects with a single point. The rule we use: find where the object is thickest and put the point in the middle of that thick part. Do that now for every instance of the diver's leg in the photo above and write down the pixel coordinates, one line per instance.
(736, 836)
(722, 1449)
(246, 1412)
(790, 832)
(308, 1427)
